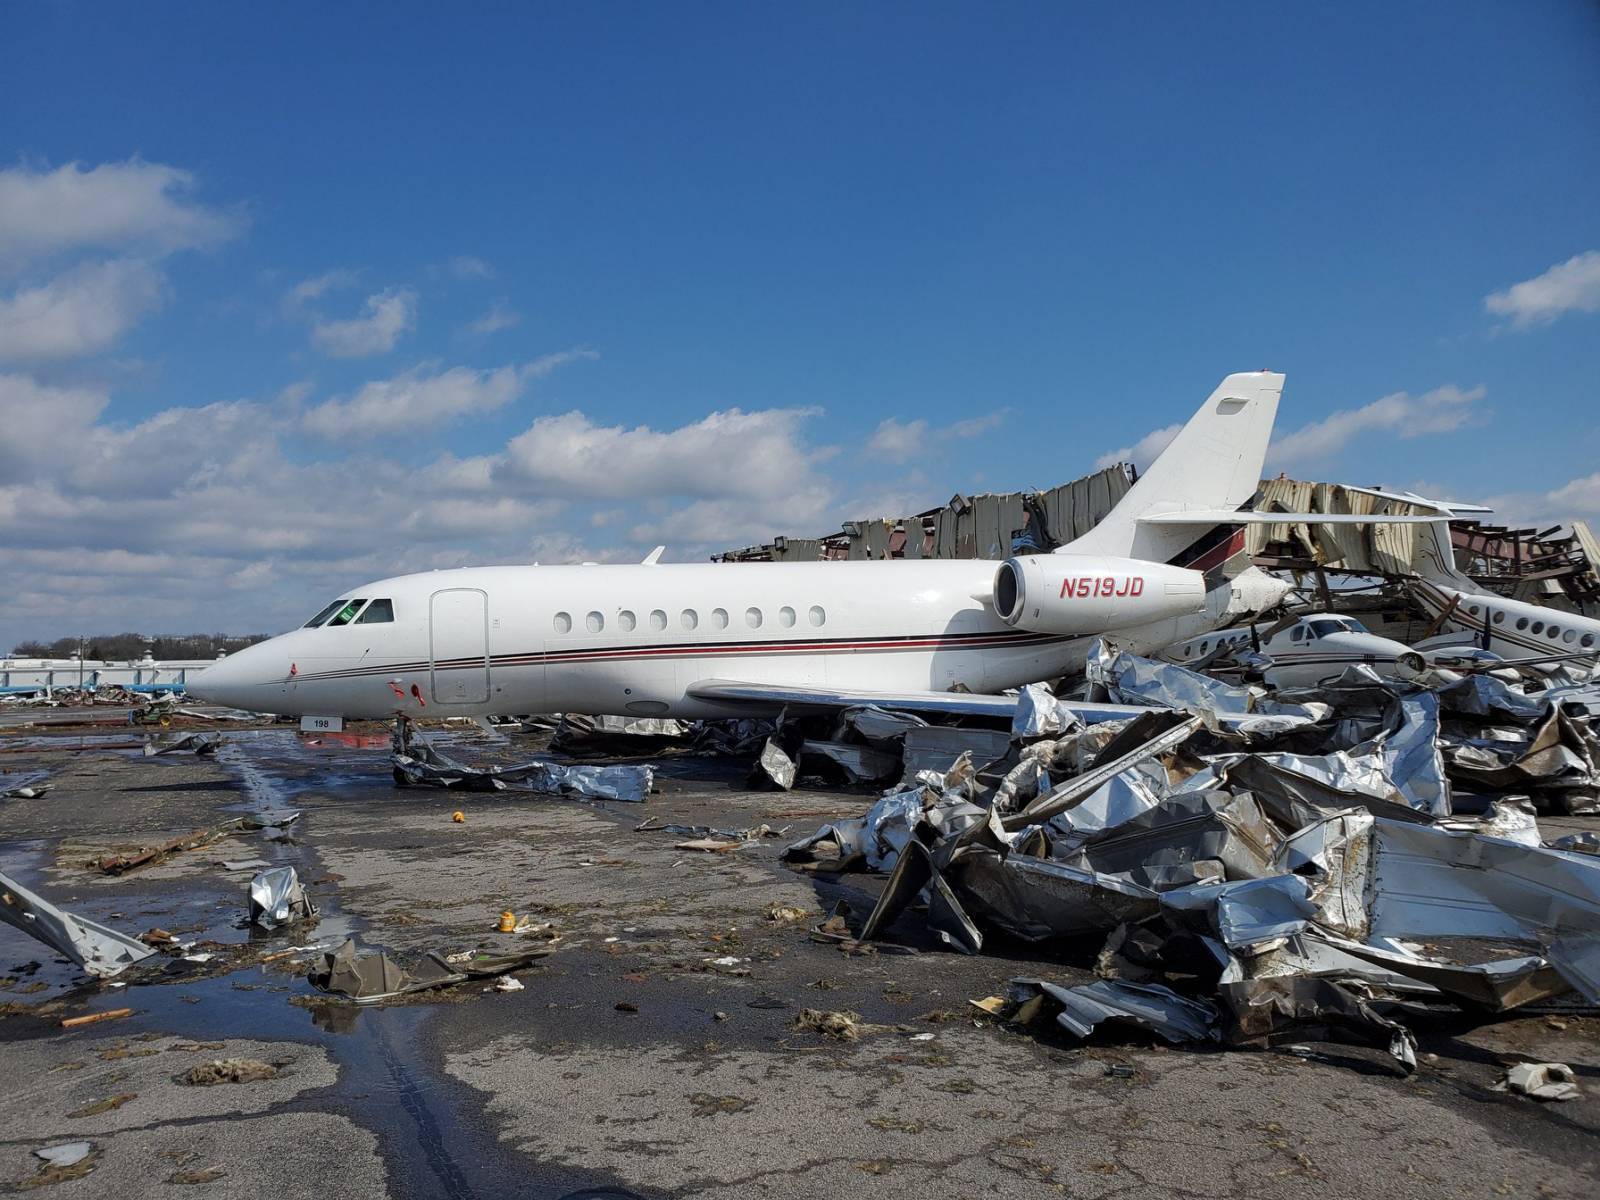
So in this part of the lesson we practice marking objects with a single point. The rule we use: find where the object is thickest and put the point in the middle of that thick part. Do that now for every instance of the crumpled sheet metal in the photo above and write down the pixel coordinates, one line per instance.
(1037, 899)
(879, 726)
(1039, 714)
(1133, 680)
(426, 765)
(100, 951)
(195, 743)
(1186, 829)
(776, 765)
(1112, 762)
(1262, 1008)
(860, 764)
(1429, 882)
(581, 734)
(278, 898)
(1149, 1006)
(1560, 752)
(1247, 913)
(1499, 985)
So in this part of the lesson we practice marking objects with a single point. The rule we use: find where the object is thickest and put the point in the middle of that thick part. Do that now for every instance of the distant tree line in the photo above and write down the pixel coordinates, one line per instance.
(116, 646)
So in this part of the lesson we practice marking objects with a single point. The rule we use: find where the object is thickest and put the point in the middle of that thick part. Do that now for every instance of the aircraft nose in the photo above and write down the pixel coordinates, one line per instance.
(241, 679)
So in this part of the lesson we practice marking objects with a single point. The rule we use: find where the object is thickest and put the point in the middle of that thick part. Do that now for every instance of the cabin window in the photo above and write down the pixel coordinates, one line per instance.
(658, 620)
(786, 617)
(689, 618)
(346, 614)
(816, 616)
(719, 617)
(627, 621)
(1569, 635)
(1499, 617)
(562, 622)
(1204, 646)
(752, 618)
(379, 612)
(1473, 609)
(324, 615)
(1522, 622)
(1586, 641)
(594, 622)
(1538, 627)
(1553, 632)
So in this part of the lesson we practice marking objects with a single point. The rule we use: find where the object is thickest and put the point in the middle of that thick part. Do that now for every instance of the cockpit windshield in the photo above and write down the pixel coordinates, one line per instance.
(325, 614)
(1325, 626)
(347, 614)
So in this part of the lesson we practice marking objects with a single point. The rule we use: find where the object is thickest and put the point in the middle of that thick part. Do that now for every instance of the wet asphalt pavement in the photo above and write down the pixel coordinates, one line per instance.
(653, 1053)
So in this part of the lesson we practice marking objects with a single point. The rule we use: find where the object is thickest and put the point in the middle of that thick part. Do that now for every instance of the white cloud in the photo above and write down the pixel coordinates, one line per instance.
(317, 286)
(125, 205)
(425, 397)
(82, 311)
(726, 454)
(469, 266)
(37, 419)
(387, 315)
(1580, 495)
(901, 441)
(497, 318)
(1143, 452)
(1572, 286)
(1399, 414)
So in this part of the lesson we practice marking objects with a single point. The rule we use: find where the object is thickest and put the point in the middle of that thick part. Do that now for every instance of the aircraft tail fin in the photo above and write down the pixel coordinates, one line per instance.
(1435, 558)
(1212, 467)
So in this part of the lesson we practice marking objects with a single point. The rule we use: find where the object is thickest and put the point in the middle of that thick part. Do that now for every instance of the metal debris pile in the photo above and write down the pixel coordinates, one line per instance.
(1338, 855)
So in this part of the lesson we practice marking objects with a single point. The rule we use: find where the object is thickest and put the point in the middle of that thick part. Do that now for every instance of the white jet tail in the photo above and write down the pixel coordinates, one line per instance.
(1208, 472)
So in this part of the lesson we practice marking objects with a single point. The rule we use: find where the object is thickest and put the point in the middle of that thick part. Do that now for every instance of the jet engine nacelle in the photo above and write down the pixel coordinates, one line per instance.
(1082, 594)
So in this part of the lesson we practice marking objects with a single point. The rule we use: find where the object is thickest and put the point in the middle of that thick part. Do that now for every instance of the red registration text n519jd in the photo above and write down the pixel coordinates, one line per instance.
(1083, 586)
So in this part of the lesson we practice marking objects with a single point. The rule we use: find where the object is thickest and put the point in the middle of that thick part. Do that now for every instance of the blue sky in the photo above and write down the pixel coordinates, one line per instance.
(296, 297)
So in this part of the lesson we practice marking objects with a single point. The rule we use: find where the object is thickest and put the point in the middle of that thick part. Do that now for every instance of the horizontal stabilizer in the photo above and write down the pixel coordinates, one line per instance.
(1221, 517)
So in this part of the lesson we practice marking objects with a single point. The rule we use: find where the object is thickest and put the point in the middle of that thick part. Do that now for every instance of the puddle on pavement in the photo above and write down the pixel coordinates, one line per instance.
(434, 1138)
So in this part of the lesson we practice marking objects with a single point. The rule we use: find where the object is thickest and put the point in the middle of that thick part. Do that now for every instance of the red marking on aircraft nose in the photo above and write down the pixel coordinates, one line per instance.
(294, 670)
(416, 693)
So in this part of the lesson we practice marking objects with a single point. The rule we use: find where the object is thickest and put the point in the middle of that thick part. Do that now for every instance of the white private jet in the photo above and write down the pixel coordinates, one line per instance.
(1313, 649)
(730, 639)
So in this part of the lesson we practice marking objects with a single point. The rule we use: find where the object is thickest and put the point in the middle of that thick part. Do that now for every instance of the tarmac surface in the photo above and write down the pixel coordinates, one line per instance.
(654, 1053)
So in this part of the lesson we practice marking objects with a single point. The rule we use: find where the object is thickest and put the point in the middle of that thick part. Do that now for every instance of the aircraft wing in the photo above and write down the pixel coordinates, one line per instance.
(769, 697)
(960, 704)
(1223, 517)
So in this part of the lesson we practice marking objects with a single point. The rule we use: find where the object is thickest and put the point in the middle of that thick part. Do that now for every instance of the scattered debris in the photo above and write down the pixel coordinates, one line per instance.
(1542, 1081)
(122, 861)
(109, 1104)
(230, 1070)
(425, 765)
(785, 913)
(66, 1154)
(110, 1014)
(202, 744)
(203, 1175)
(100, 951)
(1261, 865)
(277, 898)
(845, 1025)
(368, 978)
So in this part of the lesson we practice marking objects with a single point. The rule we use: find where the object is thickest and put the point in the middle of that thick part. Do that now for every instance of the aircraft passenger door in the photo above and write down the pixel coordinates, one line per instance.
(458, 644)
